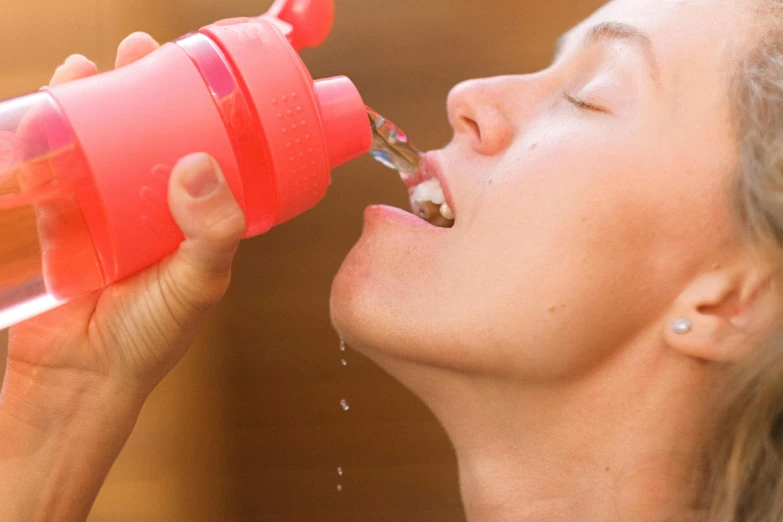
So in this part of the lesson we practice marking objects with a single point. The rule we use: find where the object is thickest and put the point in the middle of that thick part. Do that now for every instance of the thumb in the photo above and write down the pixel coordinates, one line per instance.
(213, 223)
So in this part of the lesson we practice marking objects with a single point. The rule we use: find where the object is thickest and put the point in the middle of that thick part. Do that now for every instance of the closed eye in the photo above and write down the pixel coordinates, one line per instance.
(582, 104)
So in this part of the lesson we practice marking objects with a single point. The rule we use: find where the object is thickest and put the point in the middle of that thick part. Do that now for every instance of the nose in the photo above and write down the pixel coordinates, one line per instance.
(480, 114)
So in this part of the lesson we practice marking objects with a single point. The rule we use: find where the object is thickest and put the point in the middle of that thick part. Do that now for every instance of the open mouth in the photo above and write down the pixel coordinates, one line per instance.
(392, 148)
(429, 203)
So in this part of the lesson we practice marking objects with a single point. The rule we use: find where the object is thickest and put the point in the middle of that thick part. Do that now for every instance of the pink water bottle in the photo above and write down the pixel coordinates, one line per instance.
(84, 166)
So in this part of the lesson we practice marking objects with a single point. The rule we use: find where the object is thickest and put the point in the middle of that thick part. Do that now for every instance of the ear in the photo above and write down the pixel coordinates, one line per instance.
(729, 311)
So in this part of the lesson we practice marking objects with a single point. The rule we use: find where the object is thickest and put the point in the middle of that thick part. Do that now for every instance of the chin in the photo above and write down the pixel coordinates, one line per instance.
(389, 298)
(364, 312)
(371, 316)
(369, 300)
(348, 303)
(382, 315)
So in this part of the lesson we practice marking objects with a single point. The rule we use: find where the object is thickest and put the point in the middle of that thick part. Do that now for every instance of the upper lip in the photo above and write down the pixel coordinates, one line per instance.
(430, 168)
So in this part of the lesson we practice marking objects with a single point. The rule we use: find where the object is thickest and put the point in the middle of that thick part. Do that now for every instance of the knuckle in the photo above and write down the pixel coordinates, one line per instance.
(190, 293)
(227, 222)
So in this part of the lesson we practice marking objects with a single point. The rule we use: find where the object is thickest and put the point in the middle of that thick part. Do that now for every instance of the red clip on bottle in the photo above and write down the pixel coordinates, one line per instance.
(84, 166)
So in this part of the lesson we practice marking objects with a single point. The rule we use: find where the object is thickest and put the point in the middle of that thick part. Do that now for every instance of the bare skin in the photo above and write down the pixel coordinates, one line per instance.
(592, 205)
(592, 209)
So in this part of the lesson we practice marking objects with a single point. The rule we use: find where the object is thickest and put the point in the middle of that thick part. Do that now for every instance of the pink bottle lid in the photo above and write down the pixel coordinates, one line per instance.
(344, 119)
(310, 127)
(236, 90)
(343, 113)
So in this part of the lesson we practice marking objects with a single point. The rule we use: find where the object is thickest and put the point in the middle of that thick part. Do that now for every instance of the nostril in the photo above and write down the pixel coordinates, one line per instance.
(483, 114)
(473, 126)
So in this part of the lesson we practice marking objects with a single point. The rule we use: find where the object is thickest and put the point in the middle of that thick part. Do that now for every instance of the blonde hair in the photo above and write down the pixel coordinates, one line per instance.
(744, 458)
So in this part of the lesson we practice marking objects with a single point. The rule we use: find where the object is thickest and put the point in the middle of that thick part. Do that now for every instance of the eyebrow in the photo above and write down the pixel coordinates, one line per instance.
(610, 31)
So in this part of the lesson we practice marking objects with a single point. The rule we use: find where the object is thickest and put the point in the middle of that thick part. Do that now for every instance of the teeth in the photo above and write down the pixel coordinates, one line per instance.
(430, 190)
(445, 211)
(429, 203)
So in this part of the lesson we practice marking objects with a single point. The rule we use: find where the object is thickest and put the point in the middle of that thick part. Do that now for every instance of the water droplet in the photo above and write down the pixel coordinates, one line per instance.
(344, 362)
(342, 345)
(340, 471)
(344, 405)
(339, 487)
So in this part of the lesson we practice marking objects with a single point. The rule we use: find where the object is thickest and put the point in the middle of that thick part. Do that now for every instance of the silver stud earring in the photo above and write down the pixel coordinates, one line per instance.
(682, 326)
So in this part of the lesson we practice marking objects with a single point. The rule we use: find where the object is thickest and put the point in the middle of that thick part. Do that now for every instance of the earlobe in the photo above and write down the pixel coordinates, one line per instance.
(720, 315)
(708, 337)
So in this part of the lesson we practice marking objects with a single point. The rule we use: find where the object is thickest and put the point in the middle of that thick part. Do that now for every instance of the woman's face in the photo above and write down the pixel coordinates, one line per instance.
(585, 197)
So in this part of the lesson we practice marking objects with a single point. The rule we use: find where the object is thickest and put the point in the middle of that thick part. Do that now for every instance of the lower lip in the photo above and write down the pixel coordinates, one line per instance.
(398, 216)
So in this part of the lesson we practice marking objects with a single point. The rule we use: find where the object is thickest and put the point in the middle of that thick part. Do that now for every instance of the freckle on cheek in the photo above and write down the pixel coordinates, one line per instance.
(533, 146)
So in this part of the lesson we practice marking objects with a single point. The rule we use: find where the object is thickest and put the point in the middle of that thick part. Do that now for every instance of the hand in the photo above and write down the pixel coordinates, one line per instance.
(132, 333)
(90, 364)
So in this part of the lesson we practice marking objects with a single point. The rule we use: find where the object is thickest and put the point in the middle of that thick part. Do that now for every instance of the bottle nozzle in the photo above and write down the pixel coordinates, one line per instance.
(343, 118)
(391, 147)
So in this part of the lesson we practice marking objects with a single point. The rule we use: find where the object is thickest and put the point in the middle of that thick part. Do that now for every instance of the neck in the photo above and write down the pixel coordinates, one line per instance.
(619, 444)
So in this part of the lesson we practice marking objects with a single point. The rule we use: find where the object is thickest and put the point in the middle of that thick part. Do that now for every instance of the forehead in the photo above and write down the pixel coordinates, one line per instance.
(695, 42)
(709, 20)
(696, 38)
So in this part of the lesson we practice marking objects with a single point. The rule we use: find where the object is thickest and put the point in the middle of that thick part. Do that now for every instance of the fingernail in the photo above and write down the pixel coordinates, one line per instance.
(200, 179)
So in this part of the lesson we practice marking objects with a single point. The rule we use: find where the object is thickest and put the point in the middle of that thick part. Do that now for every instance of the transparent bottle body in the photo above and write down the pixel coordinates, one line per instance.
(46, 253)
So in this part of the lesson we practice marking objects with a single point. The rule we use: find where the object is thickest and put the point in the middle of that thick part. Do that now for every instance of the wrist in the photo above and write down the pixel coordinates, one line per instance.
(50, 399)
(59, 436)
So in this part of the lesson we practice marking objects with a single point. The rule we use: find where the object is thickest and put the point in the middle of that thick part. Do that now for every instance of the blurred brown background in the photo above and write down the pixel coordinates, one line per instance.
(249, 426)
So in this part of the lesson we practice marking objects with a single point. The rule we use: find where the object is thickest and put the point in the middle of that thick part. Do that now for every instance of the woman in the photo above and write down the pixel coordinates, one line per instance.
(598, 331)
(609, 265)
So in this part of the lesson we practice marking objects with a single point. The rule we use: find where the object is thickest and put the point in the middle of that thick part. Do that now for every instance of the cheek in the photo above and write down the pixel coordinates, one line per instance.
(572, 249)
(559, 251)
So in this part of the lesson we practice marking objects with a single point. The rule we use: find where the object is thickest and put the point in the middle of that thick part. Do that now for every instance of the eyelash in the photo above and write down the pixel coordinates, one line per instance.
(580, 103)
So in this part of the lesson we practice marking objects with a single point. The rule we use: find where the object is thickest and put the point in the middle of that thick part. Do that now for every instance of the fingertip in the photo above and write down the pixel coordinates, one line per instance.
(198, 174)
(134, 47)
(201, 200)
(80, 61)
(196, 159)
(75, 67)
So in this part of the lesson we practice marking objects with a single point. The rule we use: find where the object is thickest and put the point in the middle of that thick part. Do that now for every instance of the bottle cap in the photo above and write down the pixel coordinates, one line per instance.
(308, 22)
(308, 128)
(344, 120)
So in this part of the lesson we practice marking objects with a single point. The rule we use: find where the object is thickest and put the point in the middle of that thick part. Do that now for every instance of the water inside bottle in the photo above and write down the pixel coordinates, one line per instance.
(46, 253)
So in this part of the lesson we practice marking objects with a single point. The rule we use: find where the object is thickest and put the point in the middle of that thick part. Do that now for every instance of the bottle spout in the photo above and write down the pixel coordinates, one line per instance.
(344, 120)
(306, 23)
(390, 146)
